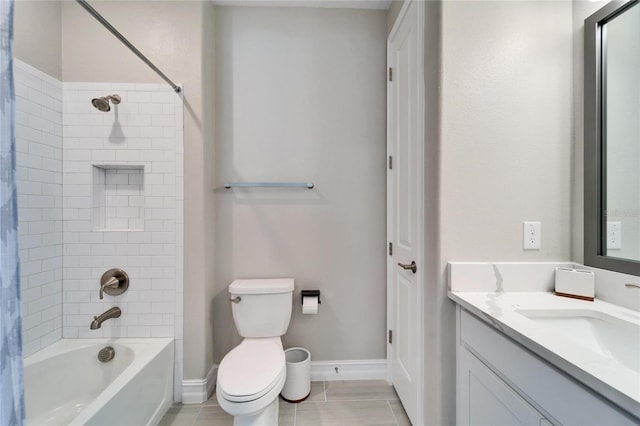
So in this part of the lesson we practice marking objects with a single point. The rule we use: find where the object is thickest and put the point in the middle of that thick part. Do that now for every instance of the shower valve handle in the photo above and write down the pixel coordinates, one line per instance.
(112, 283)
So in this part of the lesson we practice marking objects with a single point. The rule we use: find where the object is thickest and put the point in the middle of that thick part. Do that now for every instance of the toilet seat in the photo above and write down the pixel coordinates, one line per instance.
(251, 369)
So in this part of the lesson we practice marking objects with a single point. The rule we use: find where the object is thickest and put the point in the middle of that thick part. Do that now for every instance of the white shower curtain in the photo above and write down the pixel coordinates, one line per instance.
(11, 383)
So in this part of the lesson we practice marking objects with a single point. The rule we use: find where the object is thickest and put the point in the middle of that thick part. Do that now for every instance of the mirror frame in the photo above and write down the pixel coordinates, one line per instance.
(594, 154)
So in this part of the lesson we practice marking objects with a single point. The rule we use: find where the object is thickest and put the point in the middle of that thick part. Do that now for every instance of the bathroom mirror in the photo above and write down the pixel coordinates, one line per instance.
(612, 138)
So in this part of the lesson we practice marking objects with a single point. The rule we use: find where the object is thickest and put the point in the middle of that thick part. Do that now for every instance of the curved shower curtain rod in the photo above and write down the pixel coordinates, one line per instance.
(126, 42)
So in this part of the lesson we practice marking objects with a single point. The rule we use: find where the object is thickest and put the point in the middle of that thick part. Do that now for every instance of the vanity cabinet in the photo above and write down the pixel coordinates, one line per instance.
(489, 400)
(500, 382)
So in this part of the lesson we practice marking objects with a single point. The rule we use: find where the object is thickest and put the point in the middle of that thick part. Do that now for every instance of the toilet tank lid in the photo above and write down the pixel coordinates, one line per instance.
(261, 286)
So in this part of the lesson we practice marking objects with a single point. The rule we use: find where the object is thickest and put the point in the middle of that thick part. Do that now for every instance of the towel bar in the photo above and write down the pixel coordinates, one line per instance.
(307, 185)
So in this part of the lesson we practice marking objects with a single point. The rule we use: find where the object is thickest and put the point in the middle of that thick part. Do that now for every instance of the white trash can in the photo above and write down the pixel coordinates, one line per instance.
(297, 386)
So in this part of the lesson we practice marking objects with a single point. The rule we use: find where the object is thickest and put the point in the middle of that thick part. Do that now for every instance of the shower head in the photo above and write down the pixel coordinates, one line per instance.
(102, 103)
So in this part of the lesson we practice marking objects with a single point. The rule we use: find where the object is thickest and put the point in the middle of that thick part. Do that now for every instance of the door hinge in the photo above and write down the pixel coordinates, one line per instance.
(390, 249)
(390, 74)
(390, 162)
(390, 336)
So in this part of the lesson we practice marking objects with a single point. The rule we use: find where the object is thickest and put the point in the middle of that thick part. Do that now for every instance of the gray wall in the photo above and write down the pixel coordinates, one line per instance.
(37, 35)
(506, 129)
(505, 155)
(301, 97)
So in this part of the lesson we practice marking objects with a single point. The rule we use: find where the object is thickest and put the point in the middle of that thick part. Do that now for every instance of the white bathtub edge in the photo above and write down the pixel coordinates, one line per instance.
(161, 411)
(197, 391)
(160, 347)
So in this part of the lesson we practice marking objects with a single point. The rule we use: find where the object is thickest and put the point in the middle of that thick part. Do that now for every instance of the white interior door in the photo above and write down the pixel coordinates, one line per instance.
(405, 208)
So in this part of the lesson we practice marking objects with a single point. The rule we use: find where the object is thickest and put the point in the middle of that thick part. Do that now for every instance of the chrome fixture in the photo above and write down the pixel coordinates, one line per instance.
(111, 313)
(106, 354)
(102, 103)
(114, 282)
(630, 285)
(308, 185)
(127, 43)
(236, 299)
(411, 266)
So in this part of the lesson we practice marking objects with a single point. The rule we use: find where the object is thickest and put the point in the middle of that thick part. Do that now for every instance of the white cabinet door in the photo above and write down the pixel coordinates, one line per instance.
(500, 382)
(489, 400)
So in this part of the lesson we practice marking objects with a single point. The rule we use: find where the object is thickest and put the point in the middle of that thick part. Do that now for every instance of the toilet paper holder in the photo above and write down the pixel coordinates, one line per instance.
(310, 293)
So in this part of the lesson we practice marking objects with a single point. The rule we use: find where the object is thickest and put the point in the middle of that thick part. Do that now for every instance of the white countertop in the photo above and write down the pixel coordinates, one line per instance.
(605, 375)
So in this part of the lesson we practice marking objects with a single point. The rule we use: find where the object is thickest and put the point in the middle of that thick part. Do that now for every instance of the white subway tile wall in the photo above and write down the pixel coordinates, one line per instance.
(39, 181)
(112, 198)
(118, 198)
(120, 206)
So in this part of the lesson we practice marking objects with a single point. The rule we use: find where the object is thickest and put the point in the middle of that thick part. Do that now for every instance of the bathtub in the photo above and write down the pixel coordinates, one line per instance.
(66, 384)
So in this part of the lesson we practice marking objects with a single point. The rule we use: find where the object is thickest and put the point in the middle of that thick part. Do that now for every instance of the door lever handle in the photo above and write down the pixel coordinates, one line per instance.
(413, 267)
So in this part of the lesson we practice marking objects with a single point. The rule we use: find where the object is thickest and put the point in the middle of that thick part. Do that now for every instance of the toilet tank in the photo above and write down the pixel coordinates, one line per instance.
(264, 307)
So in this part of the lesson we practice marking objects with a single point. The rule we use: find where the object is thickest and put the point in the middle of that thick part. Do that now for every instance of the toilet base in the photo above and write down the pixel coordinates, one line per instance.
(267, 417)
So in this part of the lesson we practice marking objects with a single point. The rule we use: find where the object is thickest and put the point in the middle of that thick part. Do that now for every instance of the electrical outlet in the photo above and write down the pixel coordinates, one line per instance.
(531, 235)
(614, 235)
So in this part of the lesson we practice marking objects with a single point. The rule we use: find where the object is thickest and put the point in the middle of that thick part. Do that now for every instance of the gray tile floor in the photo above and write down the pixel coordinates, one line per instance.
(344, 403)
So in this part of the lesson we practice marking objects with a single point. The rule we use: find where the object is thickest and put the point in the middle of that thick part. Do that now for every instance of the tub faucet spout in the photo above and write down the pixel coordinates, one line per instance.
(108, 314)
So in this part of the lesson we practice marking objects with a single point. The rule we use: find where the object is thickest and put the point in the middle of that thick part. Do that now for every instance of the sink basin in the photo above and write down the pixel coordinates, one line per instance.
(609, 336)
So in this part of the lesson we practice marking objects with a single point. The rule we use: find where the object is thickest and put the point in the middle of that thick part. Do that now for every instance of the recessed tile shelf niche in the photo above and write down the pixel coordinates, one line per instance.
(118, 198)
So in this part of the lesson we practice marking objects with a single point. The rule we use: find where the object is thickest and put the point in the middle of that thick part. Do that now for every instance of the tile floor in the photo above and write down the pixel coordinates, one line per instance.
(344, 403)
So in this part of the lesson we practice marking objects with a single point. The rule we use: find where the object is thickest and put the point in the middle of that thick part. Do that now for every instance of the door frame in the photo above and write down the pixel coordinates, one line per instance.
(420, 197)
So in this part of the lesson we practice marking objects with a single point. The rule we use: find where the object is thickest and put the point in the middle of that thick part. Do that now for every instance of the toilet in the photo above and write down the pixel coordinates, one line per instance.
(251, 375)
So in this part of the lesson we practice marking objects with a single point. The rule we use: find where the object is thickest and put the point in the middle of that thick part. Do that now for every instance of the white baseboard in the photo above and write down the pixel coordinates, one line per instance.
(198, 391)
(367, 369)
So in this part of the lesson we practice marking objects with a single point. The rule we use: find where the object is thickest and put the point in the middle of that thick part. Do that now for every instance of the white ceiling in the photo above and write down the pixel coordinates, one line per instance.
(344, 4)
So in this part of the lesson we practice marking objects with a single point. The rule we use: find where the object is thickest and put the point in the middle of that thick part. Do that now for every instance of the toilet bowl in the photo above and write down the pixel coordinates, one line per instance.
(252, 375)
